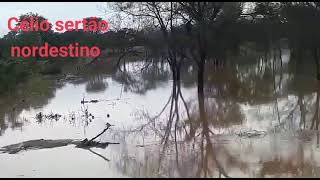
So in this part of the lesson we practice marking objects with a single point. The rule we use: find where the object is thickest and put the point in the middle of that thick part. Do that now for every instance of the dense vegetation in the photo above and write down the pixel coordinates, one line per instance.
(197, 31)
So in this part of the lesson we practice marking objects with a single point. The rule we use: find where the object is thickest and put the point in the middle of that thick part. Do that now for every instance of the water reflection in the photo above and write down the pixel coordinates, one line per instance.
(32, 95)
(167, 129)
(96, 84)
(140, 77)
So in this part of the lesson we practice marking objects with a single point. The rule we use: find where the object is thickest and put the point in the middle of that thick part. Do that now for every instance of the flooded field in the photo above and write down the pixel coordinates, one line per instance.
(258, 123)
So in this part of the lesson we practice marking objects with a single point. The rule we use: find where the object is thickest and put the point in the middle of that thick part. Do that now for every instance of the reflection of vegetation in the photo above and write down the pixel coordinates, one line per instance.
(277, 167)
(186, 42)
(96, 84)
(147, 79)
(35, 93)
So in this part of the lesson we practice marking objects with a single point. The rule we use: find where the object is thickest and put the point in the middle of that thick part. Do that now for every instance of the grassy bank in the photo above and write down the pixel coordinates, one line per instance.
(12, 74)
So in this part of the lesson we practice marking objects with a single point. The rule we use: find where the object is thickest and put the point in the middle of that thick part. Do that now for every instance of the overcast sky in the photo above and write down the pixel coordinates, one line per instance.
(53, 11)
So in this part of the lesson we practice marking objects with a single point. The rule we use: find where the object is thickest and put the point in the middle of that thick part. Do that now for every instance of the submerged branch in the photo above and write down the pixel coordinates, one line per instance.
(91, 140)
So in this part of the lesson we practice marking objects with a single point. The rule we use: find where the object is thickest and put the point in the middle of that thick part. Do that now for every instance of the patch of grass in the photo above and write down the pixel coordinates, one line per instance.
(12, 74)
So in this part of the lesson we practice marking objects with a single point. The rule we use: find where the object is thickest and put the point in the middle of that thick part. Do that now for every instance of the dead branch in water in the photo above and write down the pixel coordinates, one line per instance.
(91, 140)
(83, 101)
(45, 144)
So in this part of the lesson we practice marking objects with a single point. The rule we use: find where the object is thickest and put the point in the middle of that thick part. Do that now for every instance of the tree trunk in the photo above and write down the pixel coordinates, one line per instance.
(316, 58)
(201, 89)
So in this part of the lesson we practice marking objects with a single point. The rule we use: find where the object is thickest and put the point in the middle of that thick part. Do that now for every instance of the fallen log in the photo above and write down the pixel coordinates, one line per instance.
(48, 143)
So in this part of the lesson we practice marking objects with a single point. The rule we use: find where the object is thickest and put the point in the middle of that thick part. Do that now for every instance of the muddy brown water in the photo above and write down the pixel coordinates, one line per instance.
(236, 101)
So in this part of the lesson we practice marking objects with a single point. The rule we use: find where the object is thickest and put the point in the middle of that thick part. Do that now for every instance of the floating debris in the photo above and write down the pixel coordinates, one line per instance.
(252, 133)
(91, 101)
(40, 117)
(53, 116)
(83, 101)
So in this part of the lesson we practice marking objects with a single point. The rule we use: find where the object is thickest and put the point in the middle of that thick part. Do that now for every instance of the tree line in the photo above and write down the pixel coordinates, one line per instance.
(199, 32)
